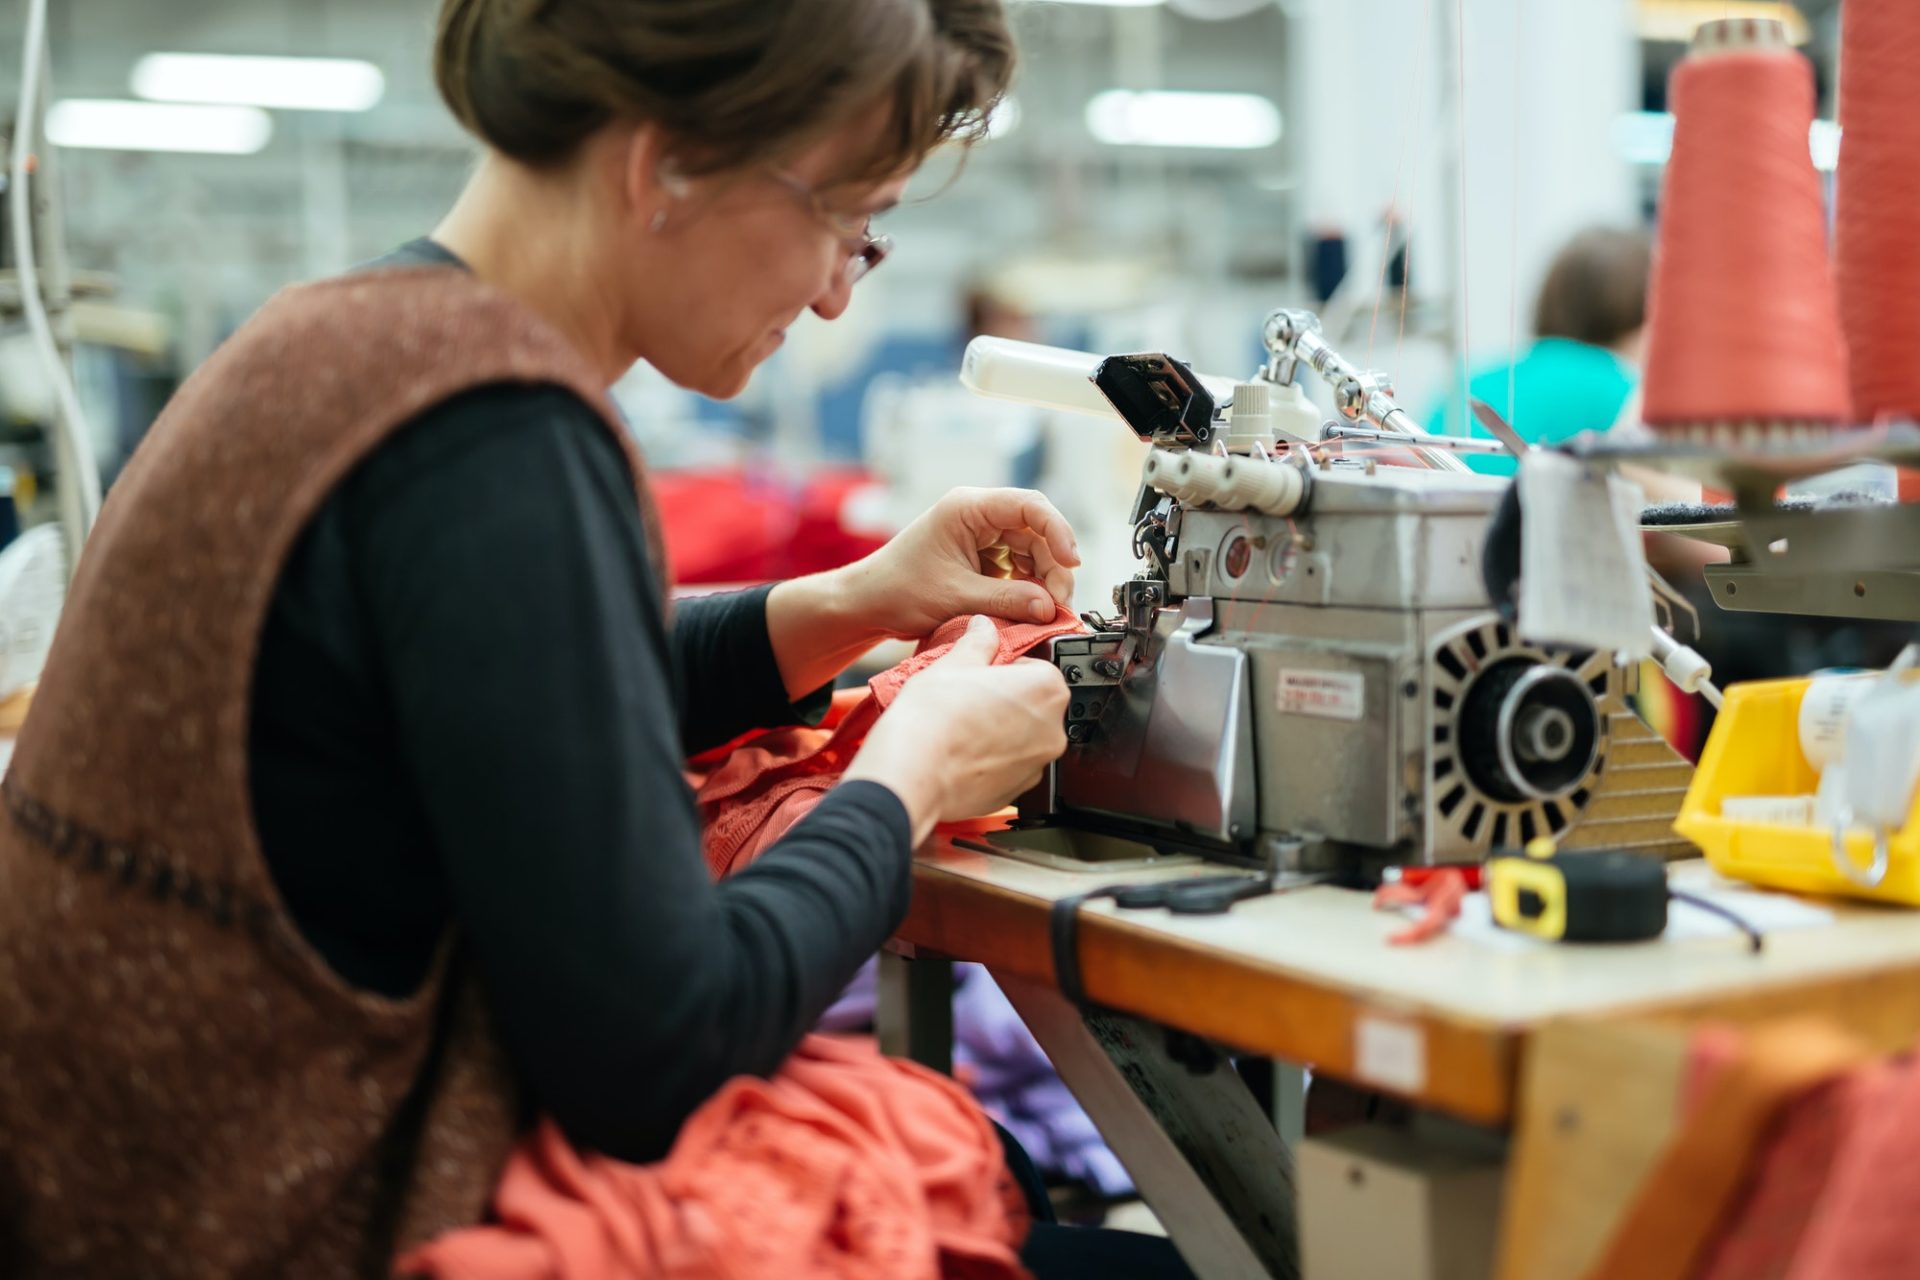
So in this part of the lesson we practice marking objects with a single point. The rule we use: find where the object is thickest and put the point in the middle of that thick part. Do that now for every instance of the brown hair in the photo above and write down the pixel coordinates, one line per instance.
(1596, 289)
(733, 82)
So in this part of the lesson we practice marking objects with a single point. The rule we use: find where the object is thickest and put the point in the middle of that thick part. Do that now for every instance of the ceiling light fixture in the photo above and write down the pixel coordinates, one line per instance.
(1166, 118)
(290, 84)
(114, 125)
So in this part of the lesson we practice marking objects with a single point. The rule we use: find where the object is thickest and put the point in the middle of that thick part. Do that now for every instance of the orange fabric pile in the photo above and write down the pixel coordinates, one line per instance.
(846, 1166)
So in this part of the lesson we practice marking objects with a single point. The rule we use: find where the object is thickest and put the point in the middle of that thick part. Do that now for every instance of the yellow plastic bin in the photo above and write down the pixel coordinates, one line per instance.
(1754, 750)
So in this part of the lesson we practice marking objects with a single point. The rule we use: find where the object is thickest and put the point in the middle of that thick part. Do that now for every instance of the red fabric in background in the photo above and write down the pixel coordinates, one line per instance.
(821, 538)
(769, 781)
(726, 525)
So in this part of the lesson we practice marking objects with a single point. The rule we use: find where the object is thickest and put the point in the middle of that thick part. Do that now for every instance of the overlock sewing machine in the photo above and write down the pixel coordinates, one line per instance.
(1308, 674)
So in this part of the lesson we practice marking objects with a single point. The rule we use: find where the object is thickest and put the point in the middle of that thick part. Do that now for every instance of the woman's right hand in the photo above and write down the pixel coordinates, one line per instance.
(964, 737)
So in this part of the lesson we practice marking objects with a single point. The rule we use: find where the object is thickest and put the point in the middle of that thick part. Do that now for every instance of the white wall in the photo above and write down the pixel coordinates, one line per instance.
(1373, 88)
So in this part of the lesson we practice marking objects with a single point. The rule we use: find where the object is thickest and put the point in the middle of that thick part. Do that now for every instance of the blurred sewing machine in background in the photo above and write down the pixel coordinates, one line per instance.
(1308, 673)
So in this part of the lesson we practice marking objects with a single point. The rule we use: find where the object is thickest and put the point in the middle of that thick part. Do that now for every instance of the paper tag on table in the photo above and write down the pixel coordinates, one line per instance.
(1583, 571)
(1390, 1053)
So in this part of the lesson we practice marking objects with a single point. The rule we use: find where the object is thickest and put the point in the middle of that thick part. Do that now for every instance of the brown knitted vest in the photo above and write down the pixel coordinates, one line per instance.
(185, 1088)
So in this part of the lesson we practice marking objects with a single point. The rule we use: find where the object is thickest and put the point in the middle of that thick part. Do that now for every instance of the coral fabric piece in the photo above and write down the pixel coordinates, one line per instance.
(1793, 1187)
(1008, 1073)
(847, 1166)
(1862, 1227)
(1442, 896)
(1819, 1179)
(1691, 1210)
(772, 780)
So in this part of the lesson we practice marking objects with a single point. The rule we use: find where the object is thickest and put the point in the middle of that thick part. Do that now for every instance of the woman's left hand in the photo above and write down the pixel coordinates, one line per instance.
(954, 560)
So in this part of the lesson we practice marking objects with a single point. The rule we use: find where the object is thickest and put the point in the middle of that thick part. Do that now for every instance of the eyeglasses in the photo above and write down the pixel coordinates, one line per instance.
(865, 251)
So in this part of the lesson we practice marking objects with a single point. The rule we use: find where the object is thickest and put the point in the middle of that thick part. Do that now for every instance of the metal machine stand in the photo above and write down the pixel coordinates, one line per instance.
(1209, 1162)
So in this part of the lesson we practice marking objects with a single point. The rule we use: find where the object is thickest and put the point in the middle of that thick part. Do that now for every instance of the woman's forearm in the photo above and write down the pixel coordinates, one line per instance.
(817, 630)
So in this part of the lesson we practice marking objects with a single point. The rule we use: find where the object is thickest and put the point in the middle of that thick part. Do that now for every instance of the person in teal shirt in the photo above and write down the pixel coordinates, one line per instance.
(1582, 367)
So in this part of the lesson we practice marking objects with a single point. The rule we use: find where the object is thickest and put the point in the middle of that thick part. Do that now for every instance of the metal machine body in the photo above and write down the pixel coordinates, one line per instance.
(1308, 673)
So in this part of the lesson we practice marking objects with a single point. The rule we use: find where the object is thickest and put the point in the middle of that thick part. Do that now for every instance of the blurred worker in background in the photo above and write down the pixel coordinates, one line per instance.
(1580, 371)
(349, 830)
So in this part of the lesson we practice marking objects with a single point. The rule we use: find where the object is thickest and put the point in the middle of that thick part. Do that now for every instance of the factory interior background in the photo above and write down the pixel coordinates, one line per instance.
(1163, 175)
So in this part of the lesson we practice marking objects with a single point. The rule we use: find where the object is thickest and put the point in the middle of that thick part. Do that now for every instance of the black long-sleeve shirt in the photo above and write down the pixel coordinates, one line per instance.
(468, 707)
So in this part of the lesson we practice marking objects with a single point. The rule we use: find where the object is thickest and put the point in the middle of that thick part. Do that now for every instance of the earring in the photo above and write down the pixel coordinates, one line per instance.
(675, 187)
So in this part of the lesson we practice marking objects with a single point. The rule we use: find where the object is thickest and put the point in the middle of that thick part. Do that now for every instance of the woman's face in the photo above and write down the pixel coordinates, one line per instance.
(739, 256)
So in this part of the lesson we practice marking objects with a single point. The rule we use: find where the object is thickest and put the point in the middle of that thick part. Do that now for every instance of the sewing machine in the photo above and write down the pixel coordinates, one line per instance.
(1307, 674)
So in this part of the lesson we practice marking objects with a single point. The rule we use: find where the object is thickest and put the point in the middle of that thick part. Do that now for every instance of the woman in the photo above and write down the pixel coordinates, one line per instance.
(1579, 374)
(348, 830)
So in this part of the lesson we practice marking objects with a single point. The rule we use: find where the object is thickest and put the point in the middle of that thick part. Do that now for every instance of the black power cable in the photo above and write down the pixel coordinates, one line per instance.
(1732, 917)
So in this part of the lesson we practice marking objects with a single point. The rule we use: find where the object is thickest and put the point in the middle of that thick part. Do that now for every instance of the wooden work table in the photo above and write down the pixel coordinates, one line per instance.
(1476, 1031)
(1308, 975)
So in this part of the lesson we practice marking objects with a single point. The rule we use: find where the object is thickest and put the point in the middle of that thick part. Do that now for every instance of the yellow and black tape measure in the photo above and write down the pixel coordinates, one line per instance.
(1578, 897)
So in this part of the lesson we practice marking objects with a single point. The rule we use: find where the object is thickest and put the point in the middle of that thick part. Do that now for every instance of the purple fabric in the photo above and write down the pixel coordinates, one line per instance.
(999, 1060)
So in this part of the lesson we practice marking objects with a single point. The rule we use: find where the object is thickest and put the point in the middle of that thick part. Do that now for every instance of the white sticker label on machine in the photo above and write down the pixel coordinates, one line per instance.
(1331, 695)
(1390, 1054)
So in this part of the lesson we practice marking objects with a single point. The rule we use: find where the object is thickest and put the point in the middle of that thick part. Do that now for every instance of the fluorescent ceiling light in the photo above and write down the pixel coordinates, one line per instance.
(292, 84)
(158, 126)
(1677, 20)
(1159, 118)
(1646, 137)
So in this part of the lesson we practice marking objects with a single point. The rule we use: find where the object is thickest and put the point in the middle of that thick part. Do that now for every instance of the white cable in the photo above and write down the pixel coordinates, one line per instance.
(1689, 671)
(84, 472)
